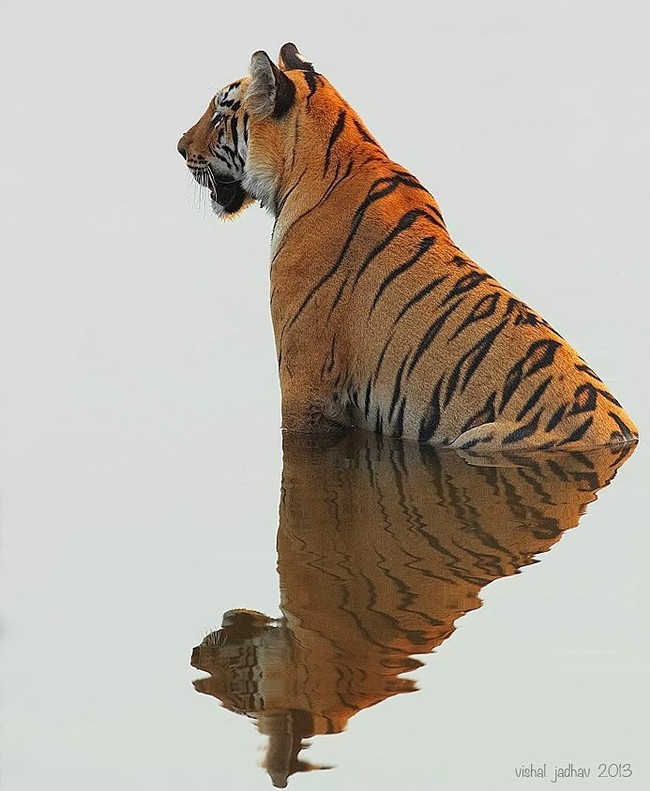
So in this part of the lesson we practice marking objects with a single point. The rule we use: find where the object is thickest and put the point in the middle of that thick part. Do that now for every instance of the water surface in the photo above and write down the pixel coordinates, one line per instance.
(382, 546)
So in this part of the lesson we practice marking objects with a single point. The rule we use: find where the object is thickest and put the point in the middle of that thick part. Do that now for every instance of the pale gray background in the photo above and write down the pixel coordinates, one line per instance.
(139, 481)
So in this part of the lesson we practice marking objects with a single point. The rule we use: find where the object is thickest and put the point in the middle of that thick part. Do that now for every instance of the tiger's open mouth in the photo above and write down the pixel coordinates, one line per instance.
(227, 193)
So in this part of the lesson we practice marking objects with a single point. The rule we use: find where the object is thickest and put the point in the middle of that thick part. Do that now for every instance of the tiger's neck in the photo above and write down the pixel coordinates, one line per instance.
(330, 195)
(306, 189)
(322, 143)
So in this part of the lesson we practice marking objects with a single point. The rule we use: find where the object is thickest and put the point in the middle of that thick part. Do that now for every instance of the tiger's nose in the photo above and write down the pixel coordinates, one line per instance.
(182, 147)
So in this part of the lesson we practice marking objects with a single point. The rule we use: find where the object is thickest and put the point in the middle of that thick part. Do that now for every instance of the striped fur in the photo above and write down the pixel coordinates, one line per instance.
(382, 546)
(380, 321)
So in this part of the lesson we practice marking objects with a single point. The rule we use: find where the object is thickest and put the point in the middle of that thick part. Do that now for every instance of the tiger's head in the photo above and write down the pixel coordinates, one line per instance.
(235, 149)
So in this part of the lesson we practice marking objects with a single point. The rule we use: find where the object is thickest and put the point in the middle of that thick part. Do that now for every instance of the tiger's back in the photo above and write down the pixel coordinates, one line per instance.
(413, 339)
(380, 320)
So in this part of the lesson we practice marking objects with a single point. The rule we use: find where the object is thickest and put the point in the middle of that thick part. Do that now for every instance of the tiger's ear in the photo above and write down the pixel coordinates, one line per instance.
(271, 92)
(290, 59)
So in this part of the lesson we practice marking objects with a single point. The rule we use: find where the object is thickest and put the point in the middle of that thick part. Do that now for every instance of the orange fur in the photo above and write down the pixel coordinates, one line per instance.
(380, 320)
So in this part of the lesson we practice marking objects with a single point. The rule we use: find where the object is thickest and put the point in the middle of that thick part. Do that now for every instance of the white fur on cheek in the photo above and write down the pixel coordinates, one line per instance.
(261, 183)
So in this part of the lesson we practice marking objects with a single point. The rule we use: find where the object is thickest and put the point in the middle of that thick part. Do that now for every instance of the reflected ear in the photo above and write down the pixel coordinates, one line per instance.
(290, 59)
(271, 92)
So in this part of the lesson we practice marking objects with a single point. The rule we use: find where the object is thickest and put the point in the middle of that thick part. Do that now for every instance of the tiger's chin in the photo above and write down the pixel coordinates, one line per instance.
(228, 199)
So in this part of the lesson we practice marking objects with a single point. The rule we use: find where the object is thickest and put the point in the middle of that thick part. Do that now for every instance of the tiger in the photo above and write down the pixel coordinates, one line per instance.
(380, 321)
(382, 546)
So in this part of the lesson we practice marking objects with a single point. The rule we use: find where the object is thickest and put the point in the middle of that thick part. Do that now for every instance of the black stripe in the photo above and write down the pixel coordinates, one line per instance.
(396, 388)
(334, 184)
(532, 475)
(381, 358)
(584, 399)
(528, 465)
(483, 309)
(462, 263)
(475, 356)
(548, 348)
(555, 418)
(374, 158)
(436, 211)
(285, 198)
(485, 415)
(608, 396)
(296, 137)
(379, 422)
(406, 179)
(390, 185)
(336, 132)
(233, 131)
(523, 431)
(464, 284)
(580, 457)
(579, 432)
(585, 369)
(403, 224)
(424, 246)
(399, 425)
(431, 419)
(338, 296)
(312, 82)
(328, 364)
(524, 315)
(366, 405)
(532, 401)
(558, 470)
(430, 334)
(519, 372)
(625, 429)
(434, 220)
(409, 179)
(231, 152)
(419, 296)
(365, 135)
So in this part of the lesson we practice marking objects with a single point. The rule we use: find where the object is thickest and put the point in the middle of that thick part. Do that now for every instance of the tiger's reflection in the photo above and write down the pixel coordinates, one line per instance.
(382, 546)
